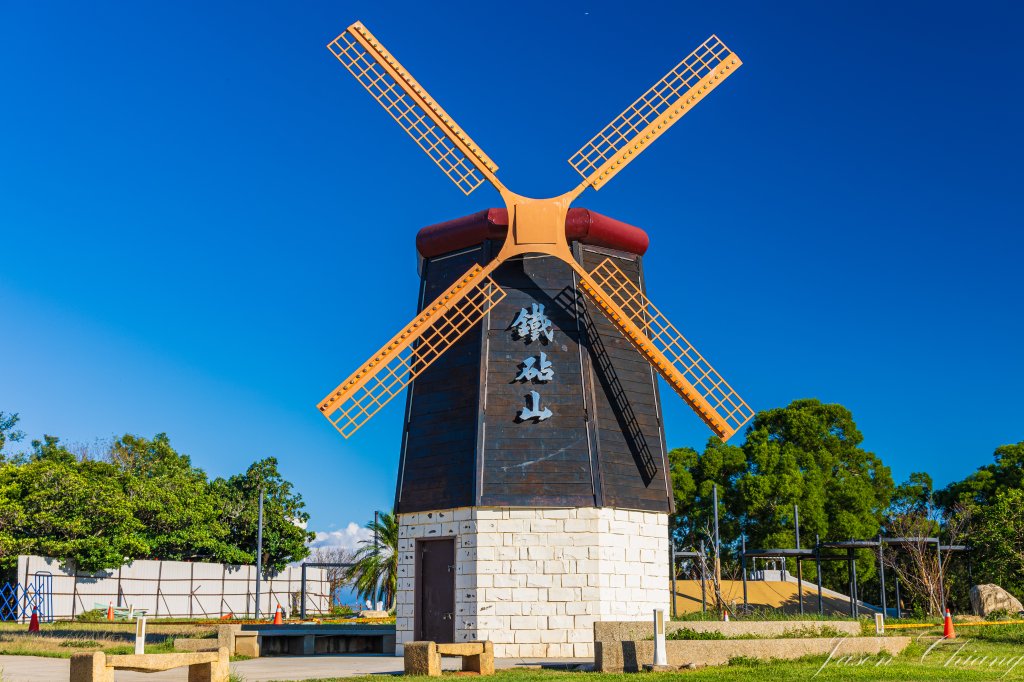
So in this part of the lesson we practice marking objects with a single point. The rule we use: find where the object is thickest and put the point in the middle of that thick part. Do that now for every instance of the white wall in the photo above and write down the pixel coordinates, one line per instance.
(533, 581)
(176, 588)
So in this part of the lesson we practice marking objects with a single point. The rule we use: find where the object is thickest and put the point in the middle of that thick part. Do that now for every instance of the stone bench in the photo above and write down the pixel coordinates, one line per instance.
(631, 656)
(424, 658)
(202, 667)
(195, 644)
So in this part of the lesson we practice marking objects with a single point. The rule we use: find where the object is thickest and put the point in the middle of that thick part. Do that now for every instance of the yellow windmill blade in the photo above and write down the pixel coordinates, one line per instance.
(686, 370)
(654, 112)
(420, 116)
(412, 350)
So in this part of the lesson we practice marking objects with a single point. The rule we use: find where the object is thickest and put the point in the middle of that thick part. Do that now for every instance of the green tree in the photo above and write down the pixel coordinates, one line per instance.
(807, 453)
(12, 518)
(284, 517)
(693, 479)
(173, 500)
(8, 431)
(74, 510)
(912, 514)
(998, 540)
(375, 571)
(981, 488)
(992, 496)
(914, 494)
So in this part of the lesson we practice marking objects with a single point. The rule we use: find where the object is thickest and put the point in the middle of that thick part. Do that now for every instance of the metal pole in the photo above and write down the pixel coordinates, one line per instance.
(718, 552)
(799, 564)
(942, 591)
(817, 561)
(703, 579)
(849, 580)
(881, 575)
(672, 550)
(853, 595)
(899, 609)
(743, 565)
(302, 609)
(259, 553)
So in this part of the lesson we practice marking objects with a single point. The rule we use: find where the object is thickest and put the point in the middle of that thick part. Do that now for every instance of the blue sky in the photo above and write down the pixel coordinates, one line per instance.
(205, 223)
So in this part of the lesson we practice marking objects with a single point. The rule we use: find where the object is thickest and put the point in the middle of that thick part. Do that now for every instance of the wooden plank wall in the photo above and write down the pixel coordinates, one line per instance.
(626, 405)
(535, 463)
(603, 445)
(442, 409)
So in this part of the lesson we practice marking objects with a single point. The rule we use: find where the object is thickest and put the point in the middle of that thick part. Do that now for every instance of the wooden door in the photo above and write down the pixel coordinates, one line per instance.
(435, 590)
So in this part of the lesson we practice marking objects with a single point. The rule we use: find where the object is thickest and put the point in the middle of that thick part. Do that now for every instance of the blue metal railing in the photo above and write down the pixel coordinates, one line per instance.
(17, 601)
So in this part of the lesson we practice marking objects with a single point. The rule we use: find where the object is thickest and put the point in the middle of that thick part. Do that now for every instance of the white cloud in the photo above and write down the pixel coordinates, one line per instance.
(346, 538)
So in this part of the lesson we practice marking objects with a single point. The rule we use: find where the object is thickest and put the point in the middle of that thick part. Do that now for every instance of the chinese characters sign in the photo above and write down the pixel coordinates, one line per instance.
(533, 325)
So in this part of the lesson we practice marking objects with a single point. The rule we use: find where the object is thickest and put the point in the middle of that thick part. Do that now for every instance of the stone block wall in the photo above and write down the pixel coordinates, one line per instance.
(534, 581)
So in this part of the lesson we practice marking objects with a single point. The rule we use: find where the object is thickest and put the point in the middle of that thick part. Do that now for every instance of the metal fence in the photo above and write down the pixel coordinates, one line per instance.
(17, 601)
(162, 589)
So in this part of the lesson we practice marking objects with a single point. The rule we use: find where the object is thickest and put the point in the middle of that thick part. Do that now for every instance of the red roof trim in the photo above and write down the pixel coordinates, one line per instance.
(580, 225)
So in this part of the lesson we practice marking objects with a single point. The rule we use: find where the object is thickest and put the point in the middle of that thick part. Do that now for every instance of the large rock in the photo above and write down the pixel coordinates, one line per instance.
(985, 599)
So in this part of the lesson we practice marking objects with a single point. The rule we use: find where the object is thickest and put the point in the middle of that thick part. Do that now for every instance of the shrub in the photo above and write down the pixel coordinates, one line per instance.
(687, 633)
(93, 616)
(1001, 614)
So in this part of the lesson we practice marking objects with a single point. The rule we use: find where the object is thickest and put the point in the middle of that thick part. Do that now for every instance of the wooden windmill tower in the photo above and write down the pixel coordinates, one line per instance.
(532, 494)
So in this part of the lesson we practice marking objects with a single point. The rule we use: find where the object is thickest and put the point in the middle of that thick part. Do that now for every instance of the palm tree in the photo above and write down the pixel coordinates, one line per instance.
(375, 571)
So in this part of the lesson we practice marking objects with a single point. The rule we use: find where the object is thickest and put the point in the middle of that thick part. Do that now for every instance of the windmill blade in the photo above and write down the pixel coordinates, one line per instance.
(420, 116)
(654, 112)
(411, 350)
(686, 370)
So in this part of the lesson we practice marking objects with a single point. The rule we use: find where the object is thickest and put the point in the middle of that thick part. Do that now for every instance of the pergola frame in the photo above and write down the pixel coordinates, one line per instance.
(801, 555)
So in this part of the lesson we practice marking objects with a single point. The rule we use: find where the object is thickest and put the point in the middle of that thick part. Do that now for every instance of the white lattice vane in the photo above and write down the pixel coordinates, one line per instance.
(383, 87)
(731, 410)
(410, 353)
(662, 96)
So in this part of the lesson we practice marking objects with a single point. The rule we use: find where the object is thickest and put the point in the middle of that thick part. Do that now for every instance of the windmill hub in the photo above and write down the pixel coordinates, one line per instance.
(537, 222)
(533, 493)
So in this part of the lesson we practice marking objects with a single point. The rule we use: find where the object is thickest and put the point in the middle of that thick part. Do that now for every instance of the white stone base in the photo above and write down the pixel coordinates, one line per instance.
(533, 581)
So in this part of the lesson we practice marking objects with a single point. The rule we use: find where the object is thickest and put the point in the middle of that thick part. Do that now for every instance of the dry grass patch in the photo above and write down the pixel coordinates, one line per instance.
(61, 640)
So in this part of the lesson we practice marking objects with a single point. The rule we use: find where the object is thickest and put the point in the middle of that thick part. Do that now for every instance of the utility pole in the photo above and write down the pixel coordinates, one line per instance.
(259, 553)
(718, 552)
(799, 562)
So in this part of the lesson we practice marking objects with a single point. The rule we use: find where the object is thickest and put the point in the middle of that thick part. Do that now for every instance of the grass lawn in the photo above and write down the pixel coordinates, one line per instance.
(990, 652)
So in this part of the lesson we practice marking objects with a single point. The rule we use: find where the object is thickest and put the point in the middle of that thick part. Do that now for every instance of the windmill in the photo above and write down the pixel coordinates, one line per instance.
(565, 503)
(535, 226)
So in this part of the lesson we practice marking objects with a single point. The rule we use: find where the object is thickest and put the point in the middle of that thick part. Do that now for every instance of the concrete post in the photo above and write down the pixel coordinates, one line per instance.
(140, 636)
(660, 655)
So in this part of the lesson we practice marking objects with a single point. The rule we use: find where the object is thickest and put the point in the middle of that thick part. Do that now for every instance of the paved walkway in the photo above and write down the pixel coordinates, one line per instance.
(36, 669)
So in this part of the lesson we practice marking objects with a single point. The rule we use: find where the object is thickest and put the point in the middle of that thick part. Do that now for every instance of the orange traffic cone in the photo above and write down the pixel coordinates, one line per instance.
(278, 620)
(110, 610)
(947, 627)
(33, 624)
(725, 616)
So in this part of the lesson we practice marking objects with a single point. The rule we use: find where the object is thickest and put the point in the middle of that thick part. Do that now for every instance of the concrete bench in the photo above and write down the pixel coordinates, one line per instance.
(424, 658)
(237, 641)
(306, 639)
(202, 667)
